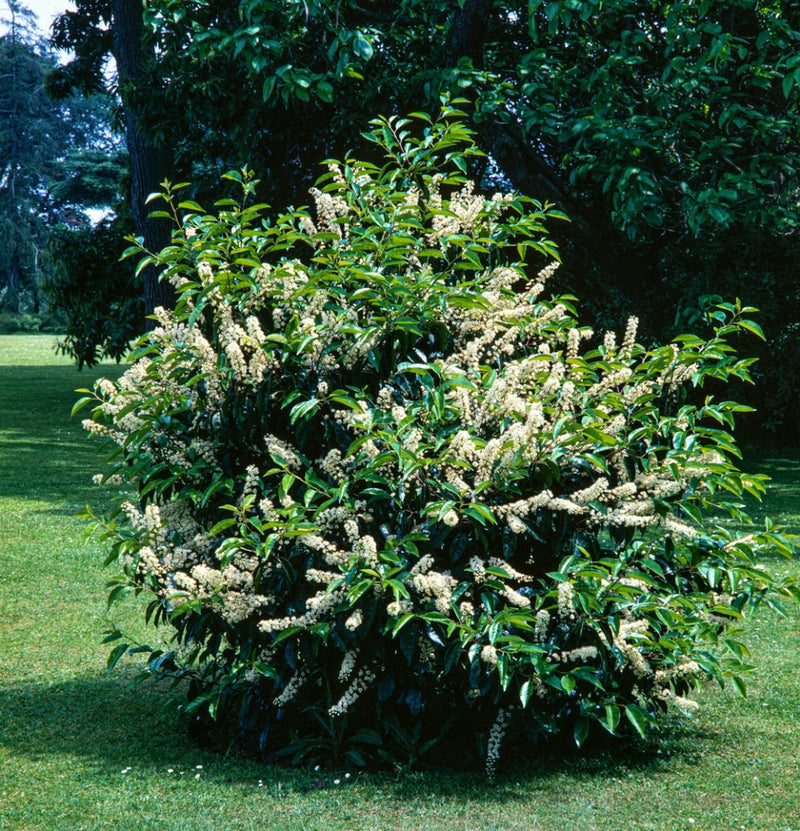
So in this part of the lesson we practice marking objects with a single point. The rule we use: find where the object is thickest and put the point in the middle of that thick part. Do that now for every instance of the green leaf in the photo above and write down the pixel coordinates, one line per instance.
(480, 513)
(638, 718)
(112, 635)
(325, 91)
(81, 403)
(221, 526)
(362, 47)
(787, 83)
(268, 87)
(367, 736)
(612, 717)
(753, 327)
(741, 687)
(581, 730)
(189, 205)
(116, 653)
(401, 622)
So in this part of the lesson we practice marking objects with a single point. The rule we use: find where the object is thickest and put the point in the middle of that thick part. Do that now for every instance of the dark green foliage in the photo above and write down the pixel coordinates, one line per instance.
(762, 271)
(11, 323)
(95, 291)
(682, 115)
(91, 177)
(661, 129)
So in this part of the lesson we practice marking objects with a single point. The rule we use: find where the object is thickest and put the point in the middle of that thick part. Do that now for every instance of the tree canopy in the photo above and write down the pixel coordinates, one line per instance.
(651, 124)
(673, 116)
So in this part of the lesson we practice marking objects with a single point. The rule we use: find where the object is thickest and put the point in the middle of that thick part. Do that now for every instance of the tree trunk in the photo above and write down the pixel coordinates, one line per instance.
(605, 268)
(35, 283)
(12, 301)
(150, 163)
(466, 37)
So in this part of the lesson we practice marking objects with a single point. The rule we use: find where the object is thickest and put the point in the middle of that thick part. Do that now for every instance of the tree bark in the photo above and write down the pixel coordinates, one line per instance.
(12, 303)
(150, 162)
(605, 268)
(466, 37)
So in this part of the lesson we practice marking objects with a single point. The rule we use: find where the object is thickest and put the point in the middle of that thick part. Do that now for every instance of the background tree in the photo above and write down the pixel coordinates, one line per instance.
(659, 128)
(99, 297)
(56, 160)
(29, 130)
(98, 31)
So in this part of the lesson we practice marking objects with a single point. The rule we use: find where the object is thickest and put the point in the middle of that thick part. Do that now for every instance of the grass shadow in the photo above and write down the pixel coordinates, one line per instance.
(94, 717)
(45, 455)
(106, 721)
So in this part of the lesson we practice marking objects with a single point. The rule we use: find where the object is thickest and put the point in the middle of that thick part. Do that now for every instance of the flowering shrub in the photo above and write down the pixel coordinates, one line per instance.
(395, 502)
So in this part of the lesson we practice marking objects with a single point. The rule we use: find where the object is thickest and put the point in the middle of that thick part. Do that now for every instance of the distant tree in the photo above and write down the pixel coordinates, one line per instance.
(56, 159)
(91, 177)
(98, 296)
(29, 132)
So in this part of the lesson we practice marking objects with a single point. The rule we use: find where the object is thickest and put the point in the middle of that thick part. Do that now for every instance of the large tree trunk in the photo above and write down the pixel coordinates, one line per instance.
(150, 163)
(466, 37)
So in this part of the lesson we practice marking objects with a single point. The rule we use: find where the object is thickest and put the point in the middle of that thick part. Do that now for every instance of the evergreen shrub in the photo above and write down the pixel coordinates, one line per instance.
(397, 505)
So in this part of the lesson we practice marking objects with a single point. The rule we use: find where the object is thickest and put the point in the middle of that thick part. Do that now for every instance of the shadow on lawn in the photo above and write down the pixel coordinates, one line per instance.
(50, 471)
(92, 717)
(45, 455)
(105, 721)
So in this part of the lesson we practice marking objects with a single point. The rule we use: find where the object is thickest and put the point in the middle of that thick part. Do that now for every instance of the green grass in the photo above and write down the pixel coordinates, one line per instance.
(80, 749)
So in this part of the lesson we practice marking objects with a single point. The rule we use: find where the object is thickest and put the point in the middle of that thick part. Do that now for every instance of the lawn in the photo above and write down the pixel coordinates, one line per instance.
(81, 749)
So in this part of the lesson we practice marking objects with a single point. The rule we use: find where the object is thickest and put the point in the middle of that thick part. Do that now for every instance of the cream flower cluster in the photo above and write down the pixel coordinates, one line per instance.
(437, 586)
(359, 685)
(496, 735)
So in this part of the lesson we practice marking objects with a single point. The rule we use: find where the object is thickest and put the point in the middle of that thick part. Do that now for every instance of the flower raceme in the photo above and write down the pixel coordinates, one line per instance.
(390, 493)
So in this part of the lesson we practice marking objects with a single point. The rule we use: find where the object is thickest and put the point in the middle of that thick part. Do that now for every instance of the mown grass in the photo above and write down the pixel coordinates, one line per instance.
(81, 749)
